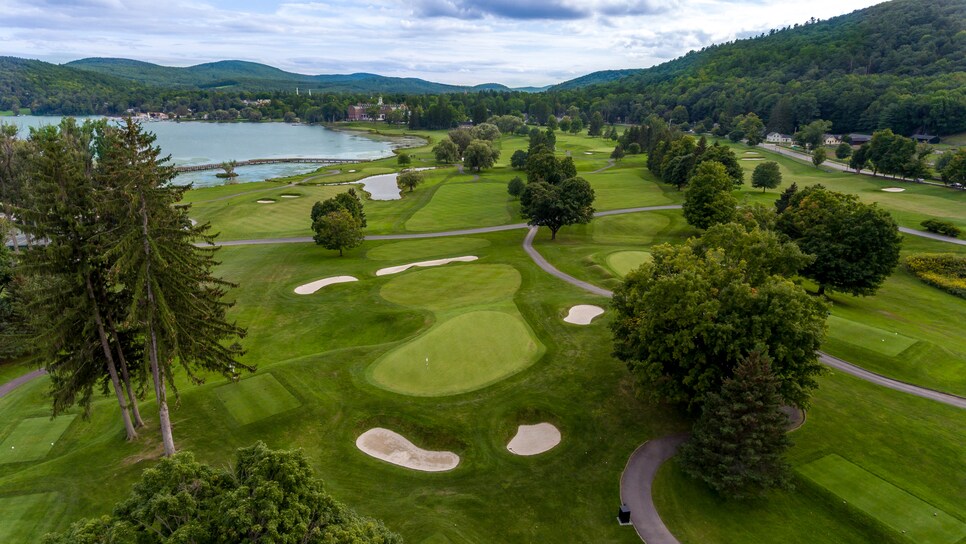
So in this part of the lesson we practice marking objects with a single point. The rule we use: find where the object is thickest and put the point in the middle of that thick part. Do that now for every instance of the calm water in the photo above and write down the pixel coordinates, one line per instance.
(203, 143)
(383, 186)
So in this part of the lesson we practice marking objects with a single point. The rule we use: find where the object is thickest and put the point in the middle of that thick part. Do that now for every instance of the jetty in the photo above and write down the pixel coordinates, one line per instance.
(252, 162)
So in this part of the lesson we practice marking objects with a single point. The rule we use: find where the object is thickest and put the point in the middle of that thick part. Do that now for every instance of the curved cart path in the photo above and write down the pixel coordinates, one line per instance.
(638, 475)
(17, 382)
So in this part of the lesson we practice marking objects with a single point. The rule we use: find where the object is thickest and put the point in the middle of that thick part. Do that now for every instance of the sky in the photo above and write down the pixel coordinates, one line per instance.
(461, 42)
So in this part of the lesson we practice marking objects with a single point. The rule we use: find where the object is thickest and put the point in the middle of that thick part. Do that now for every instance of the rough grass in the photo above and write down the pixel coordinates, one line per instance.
(256, 398)
(422, 249)
(884, 502)
(453, 287)
(622, 262)
(33, 438)
(22, 516)
(464, 353)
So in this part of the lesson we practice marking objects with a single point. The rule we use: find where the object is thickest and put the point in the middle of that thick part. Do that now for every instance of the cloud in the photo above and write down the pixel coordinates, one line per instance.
(509, 9)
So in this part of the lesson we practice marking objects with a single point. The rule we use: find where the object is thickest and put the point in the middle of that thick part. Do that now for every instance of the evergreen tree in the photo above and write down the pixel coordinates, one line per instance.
(785, 197)
(737, 444)
(177, 303)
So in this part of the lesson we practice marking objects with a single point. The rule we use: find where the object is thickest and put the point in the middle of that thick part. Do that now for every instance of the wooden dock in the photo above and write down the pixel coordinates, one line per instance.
(252, 162)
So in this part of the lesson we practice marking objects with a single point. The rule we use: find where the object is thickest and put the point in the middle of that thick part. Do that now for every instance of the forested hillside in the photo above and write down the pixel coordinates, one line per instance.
(900, 64)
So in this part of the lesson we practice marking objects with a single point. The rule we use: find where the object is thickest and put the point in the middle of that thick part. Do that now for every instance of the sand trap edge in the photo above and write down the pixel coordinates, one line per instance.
(309, 288)
(404, 453)
(893, 189)
(534, 439)
(583, 314)
(438, 262)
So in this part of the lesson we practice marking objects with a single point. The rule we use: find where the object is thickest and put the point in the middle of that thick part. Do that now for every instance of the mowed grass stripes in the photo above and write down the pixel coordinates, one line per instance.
(884, 502)
(256, 398)
(33, 438)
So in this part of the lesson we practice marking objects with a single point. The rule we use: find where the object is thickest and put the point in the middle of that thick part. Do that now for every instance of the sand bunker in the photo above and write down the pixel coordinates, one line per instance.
(291, 196)
(893, 189)
(534, 439)
(583, 314)
(437, 262)
(352, 171)
(310, 288)
(392, 447)
(265, 201)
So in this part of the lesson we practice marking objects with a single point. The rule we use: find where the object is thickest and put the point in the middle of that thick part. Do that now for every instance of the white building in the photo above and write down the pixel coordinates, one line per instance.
(778, 138)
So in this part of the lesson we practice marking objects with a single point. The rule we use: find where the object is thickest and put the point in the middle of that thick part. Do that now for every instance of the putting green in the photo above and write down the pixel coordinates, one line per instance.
(256, 398)
(431, 247)
(467, 352)
(33, 438)
(20, 515)
(622, 262)
(463, 205)
(868, 337)
(453, 287)
(638, 228)
(888, 504)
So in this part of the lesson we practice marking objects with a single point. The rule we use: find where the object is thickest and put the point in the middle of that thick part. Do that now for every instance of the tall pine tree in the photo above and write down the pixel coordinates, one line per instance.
(737, 444)
(177, 303)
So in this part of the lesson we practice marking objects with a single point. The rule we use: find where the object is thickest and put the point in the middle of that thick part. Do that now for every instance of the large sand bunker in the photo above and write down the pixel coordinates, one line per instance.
(310, 288)
(583, 314)
(893, 189)
(437, 262)
(534, 439)
(392, 447)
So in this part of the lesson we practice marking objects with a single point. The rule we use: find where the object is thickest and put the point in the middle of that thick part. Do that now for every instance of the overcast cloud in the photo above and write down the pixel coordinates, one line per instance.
(466, 42)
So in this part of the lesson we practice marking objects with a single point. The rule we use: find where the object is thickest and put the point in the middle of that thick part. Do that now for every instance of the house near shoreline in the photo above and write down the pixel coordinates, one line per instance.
(778, 138)
(364, 112)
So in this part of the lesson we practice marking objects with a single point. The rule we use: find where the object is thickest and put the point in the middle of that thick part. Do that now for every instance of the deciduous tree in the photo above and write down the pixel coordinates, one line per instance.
(684, 321)
(338, 230)
(480, 154)
(569, 202)
(856, 245)
(767, 175)
(446, 151)
(409, 179)
(708, 199)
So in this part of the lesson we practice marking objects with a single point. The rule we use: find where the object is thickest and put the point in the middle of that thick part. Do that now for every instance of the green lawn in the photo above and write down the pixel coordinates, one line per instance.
(917, 445)
(423, 249)
(884, 502)
(453, 287)
(22, 515)
(622, 262)
(888, 343)
(494, 326)
(463, 205)
(33, 438)
(256, 398)
(461, 354)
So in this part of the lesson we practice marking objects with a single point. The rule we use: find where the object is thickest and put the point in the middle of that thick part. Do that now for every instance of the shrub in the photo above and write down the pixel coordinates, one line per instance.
(943, 270)
(941, 227)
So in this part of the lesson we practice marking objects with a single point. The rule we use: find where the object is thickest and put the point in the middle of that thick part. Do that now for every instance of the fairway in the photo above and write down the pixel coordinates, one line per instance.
(33, 438)
(256, 398)
(420, 249)
(440, 289)
(636, 228)
(463, 205)
(888, 504)
(22, 515)
(467, 352)
(889, 343)
(623, 262)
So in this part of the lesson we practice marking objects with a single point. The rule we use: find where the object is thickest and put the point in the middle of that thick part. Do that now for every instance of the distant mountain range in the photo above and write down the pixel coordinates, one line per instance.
(237, 75)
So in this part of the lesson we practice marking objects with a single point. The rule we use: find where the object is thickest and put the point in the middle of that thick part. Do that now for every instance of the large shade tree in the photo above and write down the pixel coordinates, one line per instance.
(569, 202)
(685, 320)
(856, 246)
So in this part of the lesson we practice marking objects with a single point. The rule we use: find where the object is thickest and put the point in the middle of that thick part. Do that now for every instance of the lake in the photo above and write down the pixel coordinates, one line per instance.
(197, 142)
